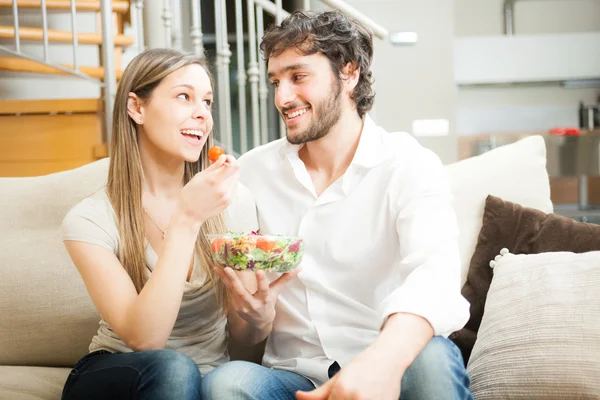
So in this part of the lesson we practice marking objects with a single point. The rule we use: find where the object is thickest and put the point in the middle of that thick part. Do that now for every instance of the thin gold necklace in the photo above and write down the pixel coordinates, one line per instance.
(164, 231)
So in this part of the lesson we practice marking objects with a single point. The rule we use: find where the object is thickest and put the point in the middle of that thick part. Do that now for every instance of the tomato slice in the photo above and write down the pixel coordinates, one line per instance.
(265, 244)
(217, 244)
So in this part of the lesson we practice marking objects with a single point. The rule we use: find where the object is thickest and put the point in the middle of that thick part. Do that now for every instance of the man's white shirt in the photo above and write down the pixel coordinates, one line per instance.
(381, 239)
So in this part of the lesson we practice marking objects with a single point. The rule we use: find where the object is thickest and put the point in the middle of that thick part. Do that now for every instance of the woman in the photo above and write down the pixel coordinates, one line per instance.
(140, 243)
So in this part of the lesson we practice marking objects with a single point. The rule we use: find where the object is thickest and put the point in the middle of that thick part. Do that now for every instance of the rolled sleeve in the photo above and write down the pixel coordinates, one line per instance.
(430, 260)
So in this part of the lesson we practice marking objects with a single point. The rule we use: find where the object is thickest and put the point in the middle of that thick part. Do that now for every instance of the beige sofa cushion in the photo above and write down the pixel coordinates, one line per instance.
(539, 334)
(32, 383)
(47, 316)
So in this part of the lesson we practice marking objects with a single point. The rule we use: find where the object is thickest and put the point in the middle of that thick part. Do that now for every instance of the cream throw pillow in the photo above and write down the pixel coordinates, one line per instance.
(540, 334)
(515, 172)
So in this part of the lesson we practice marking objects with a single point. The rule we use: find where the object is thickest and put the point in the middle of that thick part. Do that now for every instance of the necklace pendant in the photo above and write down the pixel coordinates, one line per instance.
(164, 234)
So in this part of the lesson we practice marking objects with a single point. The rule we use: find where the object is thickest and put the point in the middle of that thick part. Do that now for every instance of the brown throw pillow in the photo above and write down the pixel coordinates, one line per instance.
(521, 230)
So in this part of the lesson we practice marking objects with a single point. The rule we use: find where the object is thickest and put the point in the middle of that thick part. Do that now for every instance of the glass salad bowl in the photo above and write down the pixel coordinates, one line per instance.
(251, 251)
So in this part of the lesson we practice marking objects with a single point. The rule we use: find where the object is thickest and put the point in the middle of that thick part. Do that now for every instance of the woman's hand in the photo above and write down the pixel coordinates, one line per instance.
(209, 192)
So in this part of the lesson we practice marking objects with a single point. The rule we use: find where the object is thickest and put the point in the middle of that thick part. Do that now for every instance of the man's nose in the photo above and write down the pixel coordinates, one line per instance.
(284, 95)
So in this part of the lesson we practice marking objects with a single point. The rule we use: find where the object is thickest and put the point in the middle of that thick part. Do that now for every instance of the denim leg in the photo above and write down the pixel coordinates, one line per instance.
(241, 380)
(144, 375)
(438, 373)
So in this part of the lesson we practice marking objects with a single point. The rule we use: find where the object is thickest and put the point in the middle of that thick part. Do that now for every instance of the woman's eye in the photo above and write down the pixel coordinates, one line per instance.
(275, 84)
(183, 96)
(208, 102)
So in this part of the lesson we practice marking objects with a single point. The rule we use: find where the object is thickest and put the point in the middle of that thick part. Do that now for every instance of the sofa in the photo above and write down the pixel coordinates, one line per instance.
(48, 320)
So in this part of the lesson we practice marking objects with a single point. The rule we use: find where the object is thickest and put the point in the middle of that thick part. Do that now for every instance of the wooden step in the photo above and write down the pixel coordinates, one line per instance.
(32, 145)
(120, 7)
(24, 65)
(55, 106)
(8, 32)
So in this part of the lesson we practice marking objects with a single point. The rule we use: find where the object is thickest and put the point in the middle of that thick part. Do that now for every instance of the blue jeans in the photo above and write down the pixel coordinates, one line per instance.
(144, 375)
(438, 373)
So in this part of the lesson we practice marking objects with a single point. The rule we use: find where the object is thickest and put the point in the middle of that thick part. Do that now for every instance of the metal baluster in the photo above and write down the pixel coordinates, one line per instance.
(219, 67)
(168, 22)
(270, 8)
(74, 31)
(45, 26)
(253, 73)
(196, 30)
(263, 91)
(108, 64)
(241, 75)
(227, 58)
(278, 19)
(138, 21)
(177, 33)
(223, 60)
(15, 10)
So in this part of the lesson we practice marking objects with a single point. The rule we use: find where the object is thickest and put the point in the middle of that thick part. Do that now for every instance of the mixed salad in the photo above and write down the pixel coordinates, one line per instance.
(271, 253)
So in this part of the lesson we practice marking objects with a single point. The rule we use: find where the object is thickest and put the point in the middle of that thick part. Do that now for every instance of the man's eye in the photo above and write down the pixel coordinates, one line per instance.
(299, 77)
(183, 96)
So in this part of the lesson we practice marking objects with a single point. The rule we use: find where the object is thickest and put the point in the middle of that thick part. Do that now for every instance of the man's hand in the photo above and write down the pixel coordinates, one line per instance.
(257, 309)
(367, 377)
(376, 373)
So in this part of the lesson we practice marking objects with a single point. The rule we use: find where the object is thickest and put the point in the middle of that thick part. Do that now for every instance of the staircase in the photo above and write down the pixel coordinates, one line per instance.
(39, 136)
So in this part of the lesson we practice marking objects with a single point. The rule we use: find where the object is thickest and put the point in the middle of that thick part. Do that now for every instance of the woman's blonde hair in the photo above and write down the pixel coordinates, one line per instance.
(124, 188)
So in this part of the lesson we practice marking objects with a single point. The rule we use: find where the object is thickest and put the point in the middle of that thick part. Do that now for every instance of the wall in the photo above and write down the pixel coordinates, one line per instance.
(415, 82)
(522, 109)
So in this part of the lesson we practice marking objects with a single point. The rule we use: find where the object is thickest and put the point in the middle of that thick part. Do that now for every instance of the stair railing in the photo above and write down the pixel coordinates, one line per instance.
(108, 81)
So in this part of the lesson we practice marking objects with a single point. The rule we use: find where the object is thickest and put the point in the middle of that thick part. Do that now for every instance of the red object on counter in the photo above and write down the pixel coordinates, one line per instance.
(565, 131)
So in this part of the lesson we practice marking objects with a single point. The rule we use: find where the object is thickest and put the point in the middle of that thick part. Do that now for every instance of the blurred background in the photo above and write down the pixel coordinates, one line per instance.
(462, 76)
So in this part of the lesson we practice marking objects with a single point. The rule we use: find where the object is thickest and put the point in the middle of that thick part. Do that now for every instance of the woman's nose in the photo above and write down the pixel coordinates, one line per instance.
(201, 111)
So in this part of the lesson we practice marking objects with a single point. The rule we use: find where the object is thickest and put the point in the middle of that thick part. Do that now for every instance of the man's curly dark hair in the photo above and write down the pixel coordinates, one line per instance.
(336, 36)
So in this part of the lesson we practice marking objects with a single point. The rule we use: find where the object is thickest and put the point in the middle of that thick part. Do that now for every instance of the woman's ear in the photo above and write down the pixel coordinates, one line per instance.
(134, 108)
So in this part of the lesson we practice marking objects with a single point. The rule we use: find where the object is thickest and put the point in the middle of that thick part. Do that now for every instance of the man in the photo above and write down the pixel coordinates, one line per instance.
(368, 315)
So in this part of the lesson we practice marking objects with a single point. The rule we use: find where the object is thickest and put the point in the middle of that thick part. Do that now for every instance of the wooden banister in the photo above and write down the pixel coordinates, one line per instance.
(8, 32)
(81, 5)
(24, 65)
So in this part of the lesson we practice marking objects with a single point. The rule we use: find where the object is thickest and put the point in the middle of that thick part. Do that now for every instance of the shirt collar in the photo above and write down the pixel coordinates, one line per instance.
(369, 153)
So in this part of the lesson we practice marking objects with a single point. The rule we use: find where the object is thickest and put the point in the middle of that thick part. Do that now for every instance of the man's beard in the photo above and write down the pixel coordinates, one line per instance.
(325, 115)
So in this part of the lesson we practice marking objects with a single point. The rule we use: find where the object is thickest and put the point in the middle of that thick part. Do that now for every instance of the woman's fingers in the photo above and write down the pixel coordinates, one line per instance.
(217, 164)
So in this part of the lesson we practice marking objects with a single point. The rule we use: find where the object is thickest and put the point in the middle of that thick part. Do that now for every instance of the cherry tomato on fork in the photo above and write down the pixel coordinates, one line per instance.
(214, 153)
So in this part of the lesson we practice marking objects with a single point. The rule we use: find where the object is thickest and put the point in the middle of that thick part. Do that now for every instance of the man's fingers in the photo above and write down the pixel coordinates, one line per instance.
(310, 395)
(321, 393)
(278, 284)
(262, 284)
(226, 281)
(234, 284)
